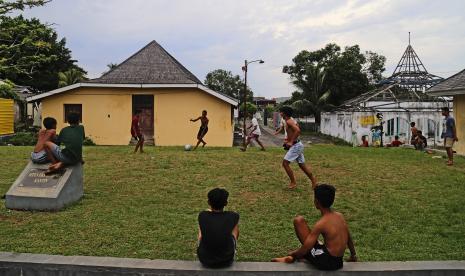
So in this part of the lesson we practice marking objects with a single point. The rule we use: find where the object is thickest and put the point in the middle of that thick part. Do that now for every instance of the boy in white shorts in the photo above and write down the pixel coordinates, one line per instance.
(295, 149)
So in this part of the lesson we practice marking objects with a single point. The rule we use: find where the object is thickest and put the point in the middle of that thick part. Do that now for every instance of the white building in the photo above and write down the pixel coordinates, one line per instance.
(401, 100)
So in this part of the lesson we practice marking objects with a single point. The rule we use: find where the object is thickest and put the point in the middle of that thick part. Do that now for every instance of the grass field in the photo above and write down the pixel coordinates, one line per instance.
(400, 204)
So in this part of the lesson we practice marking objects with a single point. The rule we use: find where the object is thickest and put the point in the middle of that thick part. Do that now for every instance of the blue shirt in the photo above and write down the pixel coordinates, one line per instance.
(448, 128)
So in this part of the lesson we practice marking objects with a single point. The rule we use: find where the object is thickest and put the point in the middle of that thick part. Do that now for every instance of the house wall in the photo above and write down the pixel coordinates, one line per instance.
(459, 110)
(6, 116)
(107, 114)
(351, 126)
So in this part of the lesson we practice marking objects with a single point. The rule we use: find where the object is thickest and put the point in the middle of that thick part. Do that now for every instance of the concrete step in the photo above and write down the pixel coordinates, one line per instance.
(57, 265)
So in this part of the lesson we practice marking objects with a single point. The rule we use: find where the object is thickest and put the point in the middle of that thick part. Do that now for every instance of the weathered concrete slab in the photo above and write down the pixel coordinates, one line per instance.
(50, 265)
(33, 190)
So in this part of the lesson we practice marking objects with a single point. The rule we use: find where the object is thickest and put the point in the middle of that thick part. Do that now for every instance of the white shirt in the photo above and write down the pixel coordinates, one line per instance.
(257, 130)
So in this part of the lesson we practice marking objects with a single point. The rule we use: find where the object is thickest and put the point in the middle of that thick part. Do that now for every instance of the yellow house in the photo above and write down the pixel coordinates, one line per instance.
(6, 116)
(455, 86)
(154, 82)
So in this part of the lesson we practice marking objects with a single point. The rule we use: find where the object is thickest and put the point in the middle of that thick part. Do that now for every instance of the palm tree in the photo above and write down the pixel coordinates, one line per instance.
(315, 92)
(69, 77)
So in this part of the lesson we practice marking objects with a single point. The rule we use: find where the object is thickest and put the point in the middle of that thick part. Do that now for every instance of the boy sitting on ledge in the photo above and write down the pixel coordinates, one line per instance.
(218, 231)
(332, 226)
(41, 154)
(72, 138)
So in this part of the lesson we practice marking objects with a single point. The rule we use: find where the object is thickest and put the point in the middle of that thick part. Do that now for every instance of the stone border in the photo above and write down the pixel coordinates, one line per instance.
(44, 265)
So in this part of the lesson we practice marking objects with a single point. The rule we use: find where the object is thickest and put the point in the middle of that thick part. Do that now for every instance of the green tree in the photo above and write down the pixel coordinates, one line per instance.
(344, 70)
(31, 54)
(225, 82)
(374, 67)
(9, 6)
(251, 108)
(69, 77)
(313, 93)
(6, 90)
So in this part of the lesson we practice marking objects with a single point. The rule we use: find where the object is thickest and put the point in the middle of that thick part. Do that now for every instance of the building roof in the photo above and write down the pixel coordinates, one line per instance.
(454, 85)
(218, 95)
(150, 65)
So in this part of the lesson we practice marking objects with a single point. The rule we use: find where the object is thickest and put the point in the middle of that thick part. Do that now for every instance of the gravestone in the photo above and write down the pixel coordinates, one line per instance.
(33, 190)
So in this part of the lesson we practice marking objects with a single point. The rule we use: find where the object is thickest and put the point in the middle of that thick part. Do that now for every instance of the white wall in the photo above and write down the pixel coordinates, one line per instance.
(348, 126)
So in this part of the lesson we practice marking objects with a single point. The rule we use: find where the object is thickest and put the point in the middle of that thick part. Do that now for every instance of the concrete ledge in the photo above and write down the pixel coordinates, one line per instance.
(16, 264)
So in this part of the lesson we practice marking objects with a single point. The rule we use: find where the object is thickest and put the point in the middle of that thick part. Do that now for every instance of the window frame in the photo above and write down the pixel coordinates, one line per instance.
(66, 111)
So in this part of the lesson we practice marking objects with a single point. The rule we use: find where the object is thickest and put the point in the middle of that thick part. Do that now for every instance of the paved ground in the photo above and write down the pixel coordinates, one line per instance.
(270, 140)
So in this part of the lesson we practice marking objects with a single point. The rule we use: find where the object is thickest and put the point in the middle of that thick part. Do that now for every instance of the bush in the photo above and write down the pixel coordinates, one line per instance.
(88, 142)
(23, 139)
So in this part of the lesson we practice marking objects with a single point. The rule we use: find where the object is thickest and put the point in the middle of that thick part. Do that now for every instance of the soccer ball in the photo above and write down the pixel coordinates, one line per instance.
(187, 147)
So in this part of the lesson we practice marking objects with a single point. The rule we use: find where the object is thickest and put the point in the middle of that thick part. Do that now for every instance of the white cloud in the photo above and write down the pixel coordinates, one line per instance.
(210, 34)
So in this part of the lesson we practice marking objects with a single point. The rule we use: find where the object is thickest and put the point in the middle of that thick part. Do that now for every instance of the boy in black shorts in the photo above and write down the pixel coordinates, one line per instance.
(332, 226)
(218, 231)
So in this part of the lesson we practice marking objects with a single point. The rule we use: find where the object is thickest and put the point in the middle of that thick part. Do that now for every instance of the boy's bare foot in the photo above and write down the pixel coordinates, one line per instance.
(292, 186)
(287, 259)
(54, 168)
(450, 163)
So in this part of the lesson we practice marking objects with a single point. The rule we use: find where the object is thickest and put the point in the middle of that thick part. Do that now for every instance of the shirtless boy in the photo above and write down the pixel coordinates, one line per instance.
(203, 128)
(295, 149)
(41, 154)
(332, 226)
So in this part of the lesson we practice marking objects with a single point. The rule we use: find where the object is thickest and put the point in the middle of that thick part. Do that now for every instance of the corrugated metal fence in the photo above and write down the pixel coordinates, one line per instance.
(6, 116)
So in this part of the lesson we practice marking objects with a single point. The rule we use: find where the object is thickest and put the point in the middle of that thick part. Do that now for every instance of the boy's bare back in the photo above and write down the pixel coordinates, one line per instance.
(335, 232)
(44, 136)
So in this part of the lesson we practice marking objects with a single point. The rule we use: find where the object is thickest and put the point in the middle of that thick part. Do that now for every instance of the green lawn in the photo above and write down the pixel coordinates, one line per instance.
(400, 204)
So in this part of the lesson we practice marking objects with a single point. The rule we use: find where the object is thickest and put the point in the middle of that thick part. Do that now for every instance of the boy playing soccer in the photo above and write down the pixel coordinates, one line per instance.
(203, 128)
(71, 137)
(218, 231)
(136, 133)
(41, 155)
(295, 149)
(332, 226)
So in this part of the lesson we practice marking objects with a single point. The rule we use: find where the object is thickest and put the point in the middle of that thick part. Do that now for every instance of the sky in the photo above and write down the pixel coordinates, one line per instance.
(205, 35)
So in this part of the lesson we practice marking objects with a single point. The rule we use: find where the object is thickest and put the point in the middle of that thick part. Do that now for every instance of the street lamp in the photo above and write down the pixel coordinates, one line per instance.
(244, 68)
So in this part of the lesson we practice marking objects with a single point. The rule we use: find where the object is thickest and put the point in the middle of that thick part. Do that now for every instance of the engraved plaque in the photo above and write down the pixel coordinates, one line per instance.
(36, 178)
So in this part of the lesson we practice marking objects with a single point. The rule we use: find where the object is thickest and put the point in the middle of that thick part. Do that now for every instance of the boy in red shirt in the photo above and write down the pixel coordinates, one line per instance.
(136, 133)
(396, 142)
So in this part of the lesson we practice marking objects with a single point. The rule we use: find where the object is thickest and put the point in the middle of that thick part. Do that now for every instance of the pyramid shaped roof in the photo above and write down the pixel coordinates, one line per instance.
(150, 65)
(410, 73)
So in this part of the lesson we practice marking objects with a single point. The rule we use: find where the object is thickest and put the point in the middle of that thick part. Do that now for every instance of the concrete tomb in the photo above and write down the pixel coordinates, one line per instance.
(33, 190)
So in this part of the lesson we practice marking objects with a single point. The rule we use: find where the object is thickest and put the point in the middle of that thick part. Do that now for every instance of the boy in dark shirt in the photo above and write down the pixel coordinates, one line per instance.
(72, 138)
(218, 231)
(332, 226)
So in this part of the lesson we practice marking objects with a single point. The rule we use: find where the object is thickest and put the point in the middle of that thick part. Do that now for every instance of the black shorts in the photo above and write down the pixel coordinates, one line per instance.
(321, 259)
(202, 132)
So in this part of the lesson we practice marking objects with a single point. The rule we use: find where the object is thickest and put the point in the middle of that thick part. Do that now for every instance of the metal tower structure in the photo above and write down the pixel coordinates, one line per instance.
(411, 74)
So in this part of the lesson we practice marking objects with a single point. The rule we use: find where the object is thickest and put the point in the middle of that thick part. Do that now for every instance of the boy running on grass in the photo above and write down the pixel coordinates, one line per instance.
(218, 231)
(136, 133)
(332, 226)
(295, 149)
(203, 128)
(72, 138)
(41, 155)
(254, 134)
